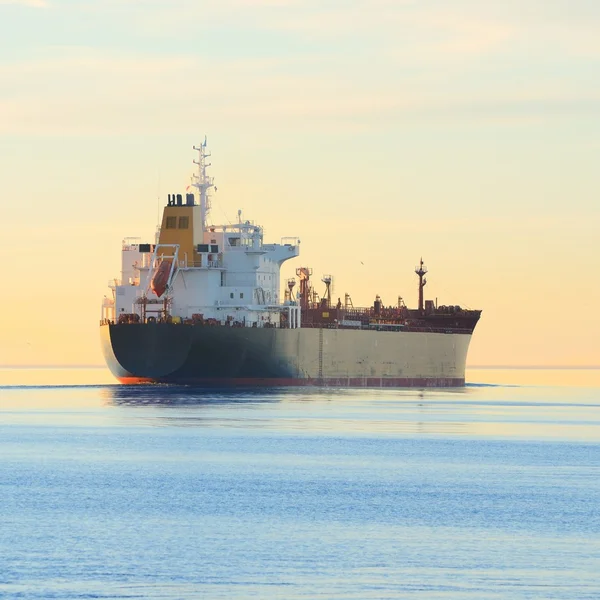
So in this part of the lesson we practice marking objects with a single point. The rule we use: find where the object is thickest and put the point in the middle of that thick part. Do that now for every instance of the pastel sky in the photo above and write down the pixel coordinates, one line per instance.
(377, 131)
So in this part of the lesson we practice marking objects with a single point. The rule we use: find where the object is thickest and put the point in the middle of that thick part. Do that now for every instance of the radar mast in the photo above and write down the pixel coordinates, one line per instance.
(202, 182)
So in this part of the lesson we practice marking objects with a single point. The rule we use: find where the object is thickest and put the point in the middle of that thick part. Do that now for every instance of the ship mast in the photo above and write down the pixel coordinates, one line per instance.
(202, 182)
(420, 271)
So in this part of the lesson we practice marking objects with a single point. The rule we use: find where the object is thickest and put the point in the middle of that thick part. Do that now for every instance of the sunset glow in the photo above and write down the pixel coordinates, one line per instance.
(467, 134)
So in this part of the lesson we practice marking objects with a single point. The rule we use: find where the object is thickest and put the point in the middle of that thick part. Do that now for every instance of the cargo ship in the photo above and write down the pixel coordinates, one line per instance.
(202, 304)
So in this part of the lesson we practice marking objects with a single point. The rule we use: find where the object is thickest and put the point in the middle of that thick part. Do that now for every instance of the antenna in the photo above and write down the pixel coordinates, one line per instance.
(158, 200)
(202, 182)
(157, 231)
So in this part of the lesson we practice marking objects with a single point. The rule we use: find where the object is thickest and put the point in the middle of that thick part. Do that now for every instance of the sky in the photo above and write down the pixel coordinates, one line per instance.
(376, 131)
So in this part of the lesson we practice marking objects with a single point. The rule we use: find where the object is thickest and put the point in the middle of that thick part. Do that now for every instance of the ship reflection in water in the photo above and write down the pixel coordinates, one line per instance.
(186, 396)
(480, 410)
(288, 410)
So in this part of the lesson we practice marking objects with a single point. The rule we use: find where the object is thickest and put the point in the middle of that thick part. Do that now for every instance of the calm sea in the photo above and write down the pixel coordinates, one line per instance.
(171, 492)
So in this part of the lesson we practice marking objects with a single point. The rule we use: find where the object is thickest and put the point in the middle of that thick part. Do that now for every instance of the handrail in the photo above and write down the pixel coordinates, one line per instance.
(215, 323)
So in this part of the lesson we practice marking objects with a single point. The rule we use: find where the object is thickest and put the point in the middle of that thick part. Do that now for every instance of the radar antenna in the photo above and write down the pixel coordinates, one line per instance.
(202, 182)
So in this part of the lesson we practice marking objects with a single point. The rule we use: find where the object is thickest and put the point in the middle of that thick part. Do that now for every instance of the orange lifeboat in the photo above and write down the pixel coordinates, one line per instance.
(158, 283)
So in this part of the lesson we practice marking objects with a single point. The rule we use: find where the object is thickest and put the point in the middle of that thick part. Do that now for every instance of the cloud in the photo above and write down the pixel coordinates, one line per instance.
(415, 32)
(366, 65)
(87, 91)
(34, 3)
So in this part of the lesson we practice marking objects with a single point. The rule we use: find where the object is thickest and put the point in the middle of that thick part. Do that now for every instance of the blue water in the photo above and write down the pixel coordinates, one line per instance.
(158, 492)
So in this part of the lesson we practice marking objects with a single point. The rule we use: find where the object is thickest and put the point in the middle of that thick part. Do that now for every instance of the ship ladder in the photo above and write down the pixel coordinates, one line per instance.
(321, 355)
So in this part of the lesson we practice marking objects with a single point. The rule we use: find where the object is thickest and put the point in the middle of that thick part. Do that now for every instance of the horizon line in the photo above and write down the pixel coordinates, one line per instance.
(499, 366)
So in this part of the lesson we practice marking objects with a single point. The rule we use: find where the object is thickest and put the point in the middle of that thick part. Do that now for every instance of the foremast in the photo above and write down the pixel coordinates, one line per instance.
(421, 271)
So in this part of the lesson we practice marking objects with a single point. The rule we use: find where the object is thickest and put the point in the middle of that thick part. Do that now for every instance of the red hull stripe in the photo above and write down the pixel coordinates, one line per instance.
(355, 382)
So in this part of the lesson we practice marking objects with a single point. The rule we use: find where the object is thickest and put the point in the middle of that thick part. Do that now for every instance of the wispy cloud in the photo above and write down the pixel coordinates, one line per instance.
(86, 91)
(367, 65)
(34, 3)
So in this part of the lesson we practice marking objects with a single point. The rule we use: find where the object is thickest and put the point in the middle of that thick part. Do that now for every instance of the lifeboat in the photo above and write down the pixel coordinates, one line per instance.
(158, 283)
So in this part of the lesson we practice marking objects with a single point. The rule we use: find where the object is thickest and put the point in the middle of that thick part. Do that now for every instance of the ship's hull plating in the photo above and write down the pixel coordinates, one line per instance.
(224, 356)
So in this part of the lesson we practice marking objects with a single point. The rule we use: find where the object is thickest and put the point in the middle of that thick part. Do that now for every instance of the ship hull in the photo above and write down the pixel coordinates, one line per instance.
(229, 356)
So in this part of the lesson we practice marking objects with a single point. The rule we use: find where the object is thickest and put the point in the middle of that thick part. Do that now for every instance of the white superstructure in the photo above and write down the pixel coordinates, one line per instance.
(225, 273)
